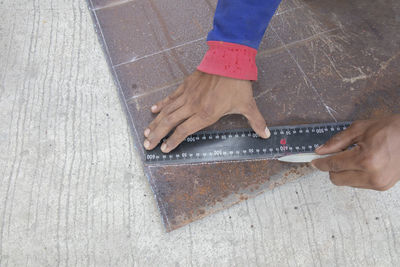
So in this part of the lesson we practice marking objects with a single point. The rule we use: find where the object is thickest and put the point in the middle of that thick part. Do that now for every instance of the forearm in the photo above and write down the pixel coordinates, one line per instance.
(238, 28)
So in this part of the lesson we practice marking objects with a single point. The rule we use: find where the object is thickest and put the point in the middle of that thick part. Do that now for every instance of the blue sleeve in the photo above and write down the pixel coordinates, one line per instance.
(242, 21)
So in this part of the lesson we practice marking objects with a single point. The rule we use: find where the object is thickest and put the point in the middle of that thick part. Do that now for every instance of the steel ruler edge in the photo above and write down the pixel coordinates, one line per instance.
(244, 144)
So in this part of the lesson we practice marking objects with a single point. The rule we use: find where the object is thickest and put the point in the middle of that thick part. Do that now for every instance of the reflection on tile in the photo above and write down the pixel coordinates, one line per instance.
(354, 79)
(97, 4)
(283, 95)
(160, 70)
(319, 61)
(300, 24)
(139, 28)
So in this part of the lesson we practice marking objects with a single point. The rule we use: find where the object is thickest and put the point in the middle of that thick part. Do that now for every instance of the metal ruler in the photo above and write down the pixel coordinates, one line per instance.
(245, 144)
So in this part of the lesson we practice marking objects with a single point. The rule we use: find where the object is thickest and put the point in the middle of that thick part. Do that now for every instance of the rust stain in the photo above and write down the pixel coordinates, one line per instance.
(186, 193)
(218, 186)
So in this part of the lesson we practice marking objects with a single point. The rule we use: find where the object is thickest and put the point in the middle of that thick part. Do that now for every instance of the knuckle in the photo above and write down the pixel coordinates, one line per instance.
(163, 113)
(334, 179)
(370, 162)
(379, 183)
(168, 109)
(154, 138)
(334, 165)
(356, 125)
(205, 114)
(167, 120)
(250, 106)
(383, 188)
(181, 131)
(166, 100)
(335, 139)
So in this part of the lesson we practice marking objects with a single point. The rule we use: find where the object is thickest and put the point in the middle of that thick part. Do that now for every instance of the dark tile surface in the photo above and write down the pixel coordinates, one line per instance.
(160, 70)
(301, 23)
(356, 69)
(281, 94)
(270, 42)
(319, 61)
(140, 28)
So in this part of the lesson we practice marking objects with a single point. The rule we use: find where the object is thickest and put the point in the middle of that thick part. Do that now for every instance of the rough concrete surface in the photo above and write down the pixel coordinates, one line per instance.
(73, 192)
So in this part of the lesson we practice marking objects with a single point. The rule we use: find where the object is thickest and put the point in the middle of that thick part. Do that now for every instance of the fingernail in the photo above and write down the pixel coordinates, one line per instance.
(319, 148)
(147, 132)
(313, 166)
(146, 144)
(267, 132)
(154, 108)
(163, 147)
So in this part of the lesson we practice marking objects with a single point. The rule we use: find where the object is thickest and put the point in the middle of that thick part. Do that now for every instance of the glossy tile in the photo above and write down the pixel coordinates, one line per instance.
(139, 29)
(319, 61)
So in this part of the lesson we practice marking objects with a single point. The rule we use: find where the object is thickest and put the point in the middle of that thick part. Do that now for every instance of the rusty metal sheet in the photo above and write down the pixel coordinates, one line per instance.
(199, 190)
(319, 61)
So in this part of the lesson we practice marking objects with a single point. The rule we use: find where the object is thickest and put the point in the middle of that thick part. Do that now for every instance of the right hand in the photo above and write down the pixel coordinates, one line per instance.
(199, 102)
(373, 163)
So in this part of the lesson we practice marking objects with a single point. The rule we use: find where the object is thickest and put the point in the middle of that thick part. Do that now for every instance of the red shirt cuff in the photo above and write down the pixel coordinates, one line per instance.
(230, 60)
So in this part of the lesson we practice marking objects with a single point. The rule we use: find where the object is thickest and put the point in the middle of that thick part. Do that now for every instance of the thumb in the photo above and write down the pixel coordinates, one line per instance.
(343, 161)
(256, 120)
(340, 141)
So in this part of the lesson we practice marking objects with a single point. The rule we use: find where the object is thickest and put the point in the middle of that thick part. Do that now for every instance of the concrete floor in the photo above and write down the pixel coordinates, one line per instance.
(72, 189)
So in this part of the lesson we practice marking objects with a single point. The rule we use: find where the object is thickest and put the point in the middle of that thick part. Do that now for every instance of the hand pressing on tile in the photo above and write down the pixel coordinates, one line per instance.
(374, 163)
(199, 102)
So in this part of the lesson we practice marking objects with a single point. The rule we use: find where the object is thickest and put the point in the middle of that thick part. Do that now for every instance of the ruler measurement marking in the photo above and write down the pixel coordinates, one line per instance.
(208, 146)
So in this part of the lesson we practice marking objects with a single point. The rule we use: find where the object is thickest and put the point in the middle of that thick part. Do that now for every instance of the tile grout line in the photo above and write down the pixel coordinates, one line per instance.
(177, 46)
(118, 83)
(328, 109)
(156, 53)
(154, 90)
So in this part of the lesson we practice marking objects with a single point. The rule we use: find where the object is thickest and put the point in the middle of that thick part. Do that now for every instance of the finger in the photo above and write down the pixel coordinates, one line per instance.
(350, 178)
(341, 140)
(358, 179)
(190, 126)
(174, 95)
(343, 161)
(256, 120)
(191, 81)
(165, 126)
(387, 187)
(175, 105)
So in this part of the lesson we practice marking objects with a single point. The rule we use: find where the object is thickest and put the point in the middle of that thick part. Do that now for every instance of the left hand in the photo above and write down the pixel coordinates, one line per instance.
(374, 163)
(199, 102)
